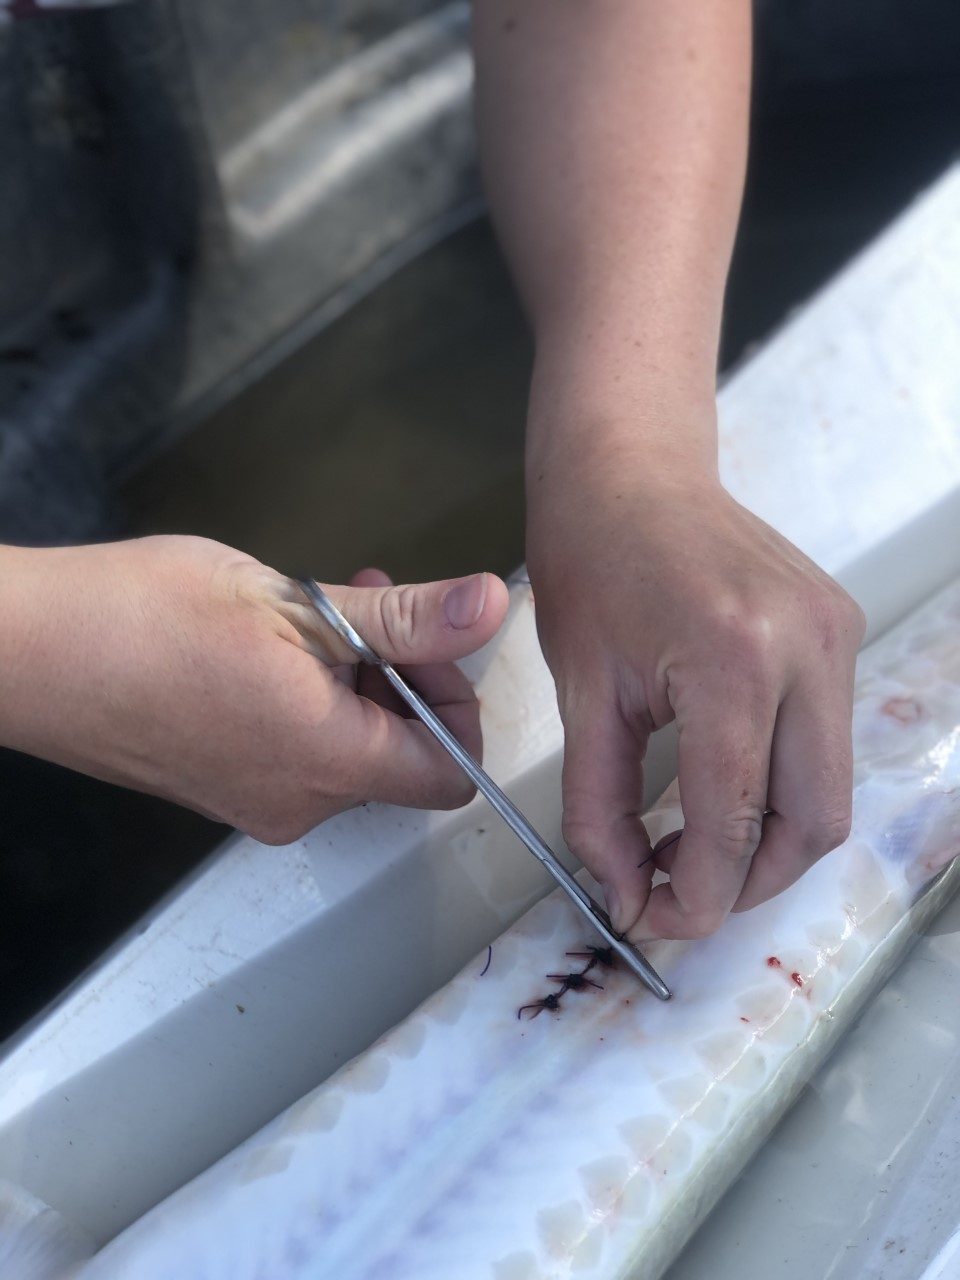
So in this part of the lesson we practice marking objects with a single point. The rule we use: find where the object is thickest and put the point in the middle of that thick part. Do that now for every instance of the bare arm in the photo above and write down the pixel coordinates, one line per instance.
(614, 144)
(614, 140)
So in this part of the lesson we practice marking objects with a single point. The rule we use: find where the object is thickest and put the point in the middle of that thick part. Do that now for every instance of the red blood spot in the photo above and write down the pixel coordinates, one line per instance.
(797, 979)
(773, 962)
(906, 710)
(743, 1019)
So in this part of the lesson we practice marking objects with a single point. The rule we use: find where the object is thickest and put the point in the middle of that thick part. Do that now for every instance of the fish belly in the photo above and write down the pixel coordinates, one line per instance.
(470, 1144)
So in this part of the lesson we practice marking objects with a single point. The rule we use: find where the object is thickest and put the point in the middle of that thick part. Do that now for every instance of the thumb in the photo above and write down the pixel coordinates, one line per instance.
(428, 621)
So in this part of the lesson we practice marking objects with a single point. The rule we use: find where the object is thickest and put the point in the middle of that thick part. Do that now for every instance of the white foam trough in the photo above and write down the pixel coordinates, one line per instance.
(272, 967)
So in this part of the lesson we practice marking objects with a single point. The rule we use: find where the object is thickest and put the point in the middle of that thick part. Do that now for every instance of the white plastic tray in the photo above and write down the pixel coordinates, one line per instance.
(271, 967)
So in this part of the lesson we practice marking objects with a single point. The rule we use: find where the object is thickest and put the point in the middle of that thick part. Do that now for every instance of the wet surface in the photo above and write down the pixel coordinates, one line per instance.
(395, 439)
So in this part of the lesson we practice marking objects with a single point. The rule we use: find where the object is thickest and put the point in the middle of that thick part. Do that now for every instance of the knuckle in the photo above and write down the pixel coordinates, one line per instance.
(852, 618)
(738, 834)
(835, 618)
(400, 609)
(750, 638)
(827, 833)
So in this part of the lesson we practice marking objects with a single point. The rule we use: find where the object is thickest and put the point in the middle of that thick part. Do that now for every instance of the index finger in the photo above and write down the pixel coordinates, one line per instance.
(724, 761)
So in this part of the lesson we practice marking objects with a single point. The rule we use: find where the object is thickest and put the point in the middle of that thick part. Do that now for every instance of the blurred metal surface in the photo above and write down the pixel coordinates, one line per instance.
(192, 181)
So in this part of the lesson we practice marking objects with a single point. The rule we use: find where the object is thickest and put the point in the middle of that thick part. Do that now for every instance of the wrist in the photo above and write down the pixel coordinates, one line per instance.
(22, 603)
(594, 429)
(620, 389)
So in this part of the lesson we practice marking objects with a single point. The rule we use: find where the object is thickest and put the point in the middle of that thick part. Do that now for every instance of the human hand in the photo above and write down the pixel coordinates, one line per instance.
(182, 667)
(661, 599)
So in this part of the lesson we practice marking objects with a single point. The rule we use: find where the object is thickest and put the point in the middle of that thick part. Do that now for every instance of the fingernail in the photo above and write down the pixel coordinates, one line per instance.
(463, 604)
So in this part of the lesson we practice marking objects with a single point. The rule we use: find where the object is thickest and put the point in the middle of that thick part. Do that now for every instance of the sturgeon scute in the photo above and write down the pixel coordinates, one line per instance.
(591, 1141)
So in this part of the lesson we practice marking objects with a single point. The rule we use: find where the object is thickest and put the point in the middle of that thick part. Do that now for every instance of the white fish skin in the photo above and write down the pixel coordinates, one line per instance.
(590, 1142)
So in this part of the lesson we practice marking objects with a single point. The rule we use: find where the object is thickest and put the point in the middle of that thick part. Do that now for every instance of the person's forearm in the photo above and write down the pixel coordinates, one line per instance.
(613, 135)
(20, 642)
(54, 629)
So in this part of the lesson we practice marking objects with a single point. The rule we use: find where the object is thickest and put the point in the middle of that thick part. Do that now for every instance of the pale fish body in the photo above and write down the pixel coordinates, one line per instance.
(590, 1142)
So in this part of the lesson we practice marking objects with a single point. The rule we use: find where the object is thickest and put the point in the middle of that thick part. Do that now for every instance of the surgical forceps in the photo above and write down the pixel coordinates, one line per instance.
(507, 810)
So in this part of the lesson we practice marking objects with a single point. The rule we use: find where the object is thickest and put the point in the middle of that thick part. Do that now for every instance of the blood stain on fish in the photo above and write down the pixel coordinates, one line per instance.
(774, 962)
(761, 1006)
(906, 710)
